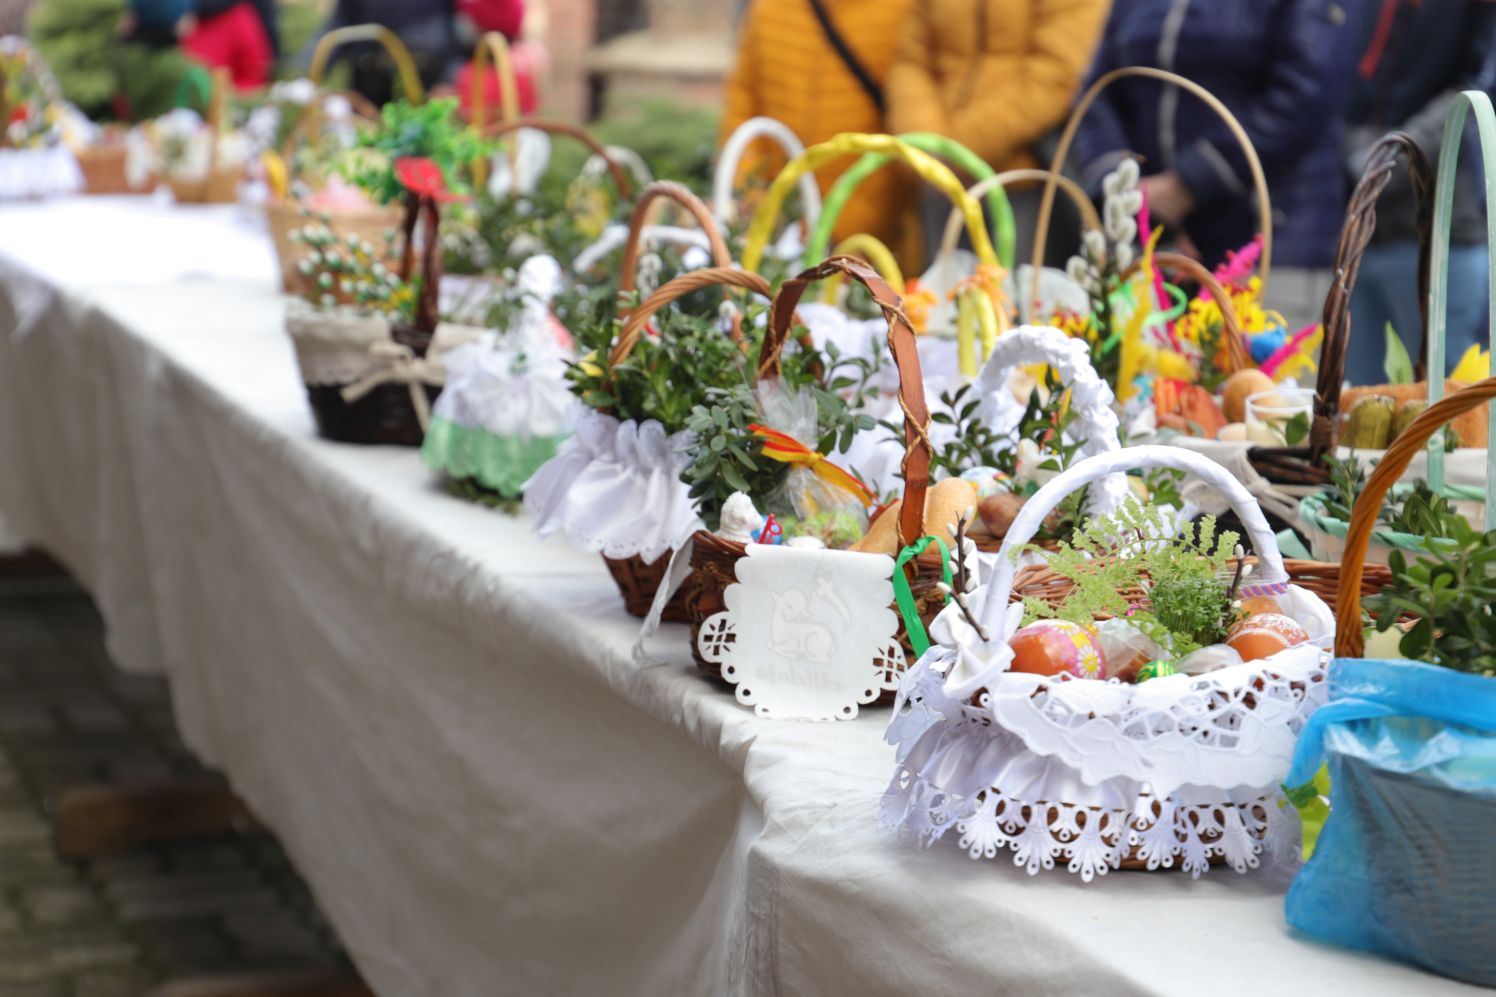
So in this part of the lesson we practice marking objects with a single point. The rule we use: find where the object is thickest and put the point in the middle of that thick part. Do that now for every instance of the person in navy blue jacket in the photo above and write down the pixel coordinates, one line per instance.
(1282, 67)
(1414, 58)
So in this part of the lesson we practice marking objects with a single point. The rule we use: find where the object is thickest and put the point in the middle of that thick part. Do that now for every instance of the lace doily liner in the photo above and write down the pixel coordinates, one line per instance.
(332, 347)
(982, 781)
(502, 463)
(614, 488)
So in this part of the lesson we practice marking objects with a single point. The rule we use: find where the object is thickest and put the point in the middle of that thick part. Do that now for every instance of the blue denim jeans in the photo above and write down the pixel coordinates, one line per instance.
(1387, 291)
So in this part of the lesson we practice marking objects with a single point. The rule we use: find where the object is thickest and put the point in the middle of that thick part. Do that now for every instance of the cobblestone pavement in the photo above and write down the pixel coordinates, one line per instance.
(116, 927)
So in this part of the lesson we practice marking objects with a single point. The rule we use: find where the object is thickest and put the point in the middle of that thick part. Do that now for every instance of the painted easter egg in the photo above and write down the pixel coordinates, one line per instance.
(1052, 647)
(1263, 635)
(1156, 670)
(1260, 604)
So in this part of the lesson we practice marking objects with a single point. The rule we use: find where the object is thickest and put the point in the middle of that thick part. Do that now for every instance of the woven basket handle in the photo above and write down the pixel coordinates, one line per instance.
(1438, 298)
(724, 181)
(492, 50)
(945, 256)
(618, 174)
(405, 66)
(928, 167)
(667, 190)
(1259, 179)
(1092, 469)
(1355, 236)
(947, 149)
(1237, 357)
(1348, 638)
(678, 288)
(904, 347)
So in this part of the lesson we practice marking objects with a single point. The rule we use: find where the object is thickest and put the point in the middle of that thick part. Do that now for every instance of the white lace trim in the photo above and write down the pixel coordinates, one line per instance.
(615, 488)
(41, 172)
(982, 781)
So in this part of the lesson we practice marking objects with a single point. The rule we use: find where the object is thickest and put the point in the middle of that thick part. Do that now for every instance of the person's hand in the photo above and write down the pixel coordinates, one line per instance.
(126, 26)
(1169, 200)
(186, 25)
(1185, 246)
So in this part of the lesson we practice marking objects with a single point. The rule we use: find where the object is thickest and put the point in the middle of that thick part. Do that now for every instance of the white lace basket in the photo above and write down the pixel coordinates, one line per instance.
(1098, 775)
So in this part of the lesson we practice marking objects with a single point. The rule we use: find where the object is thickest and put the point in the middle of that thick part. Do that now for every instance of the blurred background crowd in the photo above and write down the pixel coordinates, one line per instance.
(1313, 83)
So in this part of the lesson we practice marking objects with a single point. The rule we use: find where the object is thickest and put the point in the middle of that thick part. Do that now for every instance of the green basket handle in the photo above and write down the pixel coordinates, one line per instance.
(936, 145)
(1438, 291)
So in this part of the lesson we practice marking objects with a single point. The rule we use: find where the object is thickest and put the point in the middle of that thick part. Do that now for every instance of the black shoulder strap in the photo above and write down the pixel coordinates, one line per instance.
(848, 57)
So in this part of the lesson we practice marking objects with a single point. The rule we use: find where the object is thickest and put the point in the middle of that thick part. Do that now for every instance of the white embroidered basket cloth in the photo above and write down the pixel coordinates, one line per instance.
(1180, 770)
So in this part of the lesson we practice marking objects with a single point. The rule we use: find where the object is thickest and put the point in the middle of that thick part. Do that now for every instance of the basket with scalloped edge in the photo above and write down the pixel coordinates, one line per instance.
(1097, 774)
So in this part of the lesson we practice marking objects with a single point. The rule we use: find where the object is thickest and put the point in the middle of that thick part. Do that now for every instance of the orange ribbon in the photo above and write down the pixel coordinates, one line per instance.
(783, 447)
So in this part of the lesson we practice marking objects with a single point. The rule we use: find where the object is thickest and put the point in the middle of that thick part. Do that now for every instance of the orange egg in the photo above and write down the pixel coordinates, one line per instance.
(1258, 604)
(1051, 647)
(1265, 634)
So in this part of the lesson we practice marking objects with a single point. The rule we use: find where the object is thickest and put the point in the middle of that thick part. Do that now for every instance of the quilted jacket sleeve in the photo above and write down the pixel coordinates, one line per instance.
(1007, 105)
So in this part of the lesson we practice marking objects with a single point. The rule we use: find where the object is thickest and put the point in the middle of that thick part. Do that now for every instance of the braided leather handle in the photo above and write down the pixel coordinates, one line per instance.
(551, 127)
(902, 343)
(1348, 638)
(1259, 179)
(667, 190)
(678, 288)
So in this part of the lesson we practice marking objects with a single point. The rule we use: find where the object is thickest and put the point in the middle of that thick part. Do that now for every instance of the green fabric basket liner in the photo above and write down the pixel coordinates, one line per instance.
(1312, 512)
(502, 463)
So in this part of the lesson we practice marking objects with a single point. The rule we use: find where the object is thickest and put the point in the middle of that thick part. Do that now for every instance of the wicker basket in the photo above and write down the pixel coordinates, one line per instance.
(369, 380)
(103, 167)
(1098, 800)
(373, 223)
(714, 559)
(637, 581)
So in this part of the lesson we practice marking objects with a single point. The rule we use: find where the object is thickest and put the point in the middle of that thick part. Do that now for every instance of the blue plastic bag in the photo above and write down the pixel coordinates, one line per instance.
(1406, 862)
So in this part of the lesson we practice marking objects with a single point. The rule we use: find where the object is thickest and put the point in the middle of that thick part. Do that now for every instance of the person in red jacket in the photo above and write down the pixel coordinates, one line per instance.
(504, 16)
(231, 35)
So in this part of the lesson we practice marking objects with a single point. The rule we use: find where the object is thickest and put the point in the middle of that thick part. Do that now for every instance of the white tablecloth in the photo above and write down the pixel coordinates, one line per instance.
(439, 715)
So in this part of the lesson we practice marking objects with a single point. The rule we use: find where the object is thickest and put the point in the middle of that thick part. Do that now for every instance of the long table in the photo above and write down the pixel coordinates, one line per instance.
(440, 717)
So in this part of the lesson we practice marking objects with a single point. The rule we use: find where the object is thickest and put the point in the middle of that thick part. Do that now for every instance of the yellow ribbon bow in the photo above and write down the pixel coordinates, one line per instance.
(783, 447)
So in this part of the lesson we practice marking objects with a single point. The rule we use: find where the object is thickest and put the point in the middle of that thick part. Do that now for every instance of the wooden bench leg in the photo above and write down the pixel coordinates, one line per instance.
(97, 821)
(265, 985)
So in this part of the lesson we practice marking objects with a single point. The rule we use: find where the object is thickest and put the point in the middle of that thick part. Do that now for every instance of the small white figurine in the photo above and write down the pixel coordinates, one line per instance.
(739, 519)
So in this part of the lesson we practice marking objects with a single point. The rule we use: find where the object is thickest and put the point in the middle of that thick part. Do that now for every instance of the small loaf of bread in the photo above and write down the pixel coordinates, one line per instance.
(946, 503)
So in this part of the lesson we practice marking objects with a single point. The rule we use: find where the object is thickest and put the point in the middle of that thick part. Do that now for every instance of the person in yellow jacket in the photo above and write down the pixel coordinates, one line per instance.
(819, 66)
(995, 75)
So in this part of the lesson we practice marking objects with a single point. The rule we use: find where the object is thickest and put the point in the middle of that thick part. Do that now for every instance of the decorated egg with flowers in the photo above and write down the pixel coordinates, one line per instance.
(1054, 647)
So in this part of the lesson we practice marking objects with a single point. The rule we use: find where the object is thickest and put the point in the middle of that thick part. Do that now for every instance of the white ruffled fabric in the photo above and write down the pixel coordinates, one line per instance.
(50, 171)
(513, 383)
(1183, 768)
(615, 488)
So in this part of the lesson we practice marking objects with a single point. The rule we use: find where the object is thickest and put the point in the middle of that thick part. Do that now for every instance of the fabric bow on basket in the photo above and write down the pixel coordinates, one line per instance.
(396, 363)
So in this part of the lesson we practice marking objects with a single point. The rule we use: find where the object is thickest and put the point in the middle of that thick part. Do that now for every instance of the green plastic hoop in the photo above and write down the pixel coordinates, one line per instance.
(936, 145)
